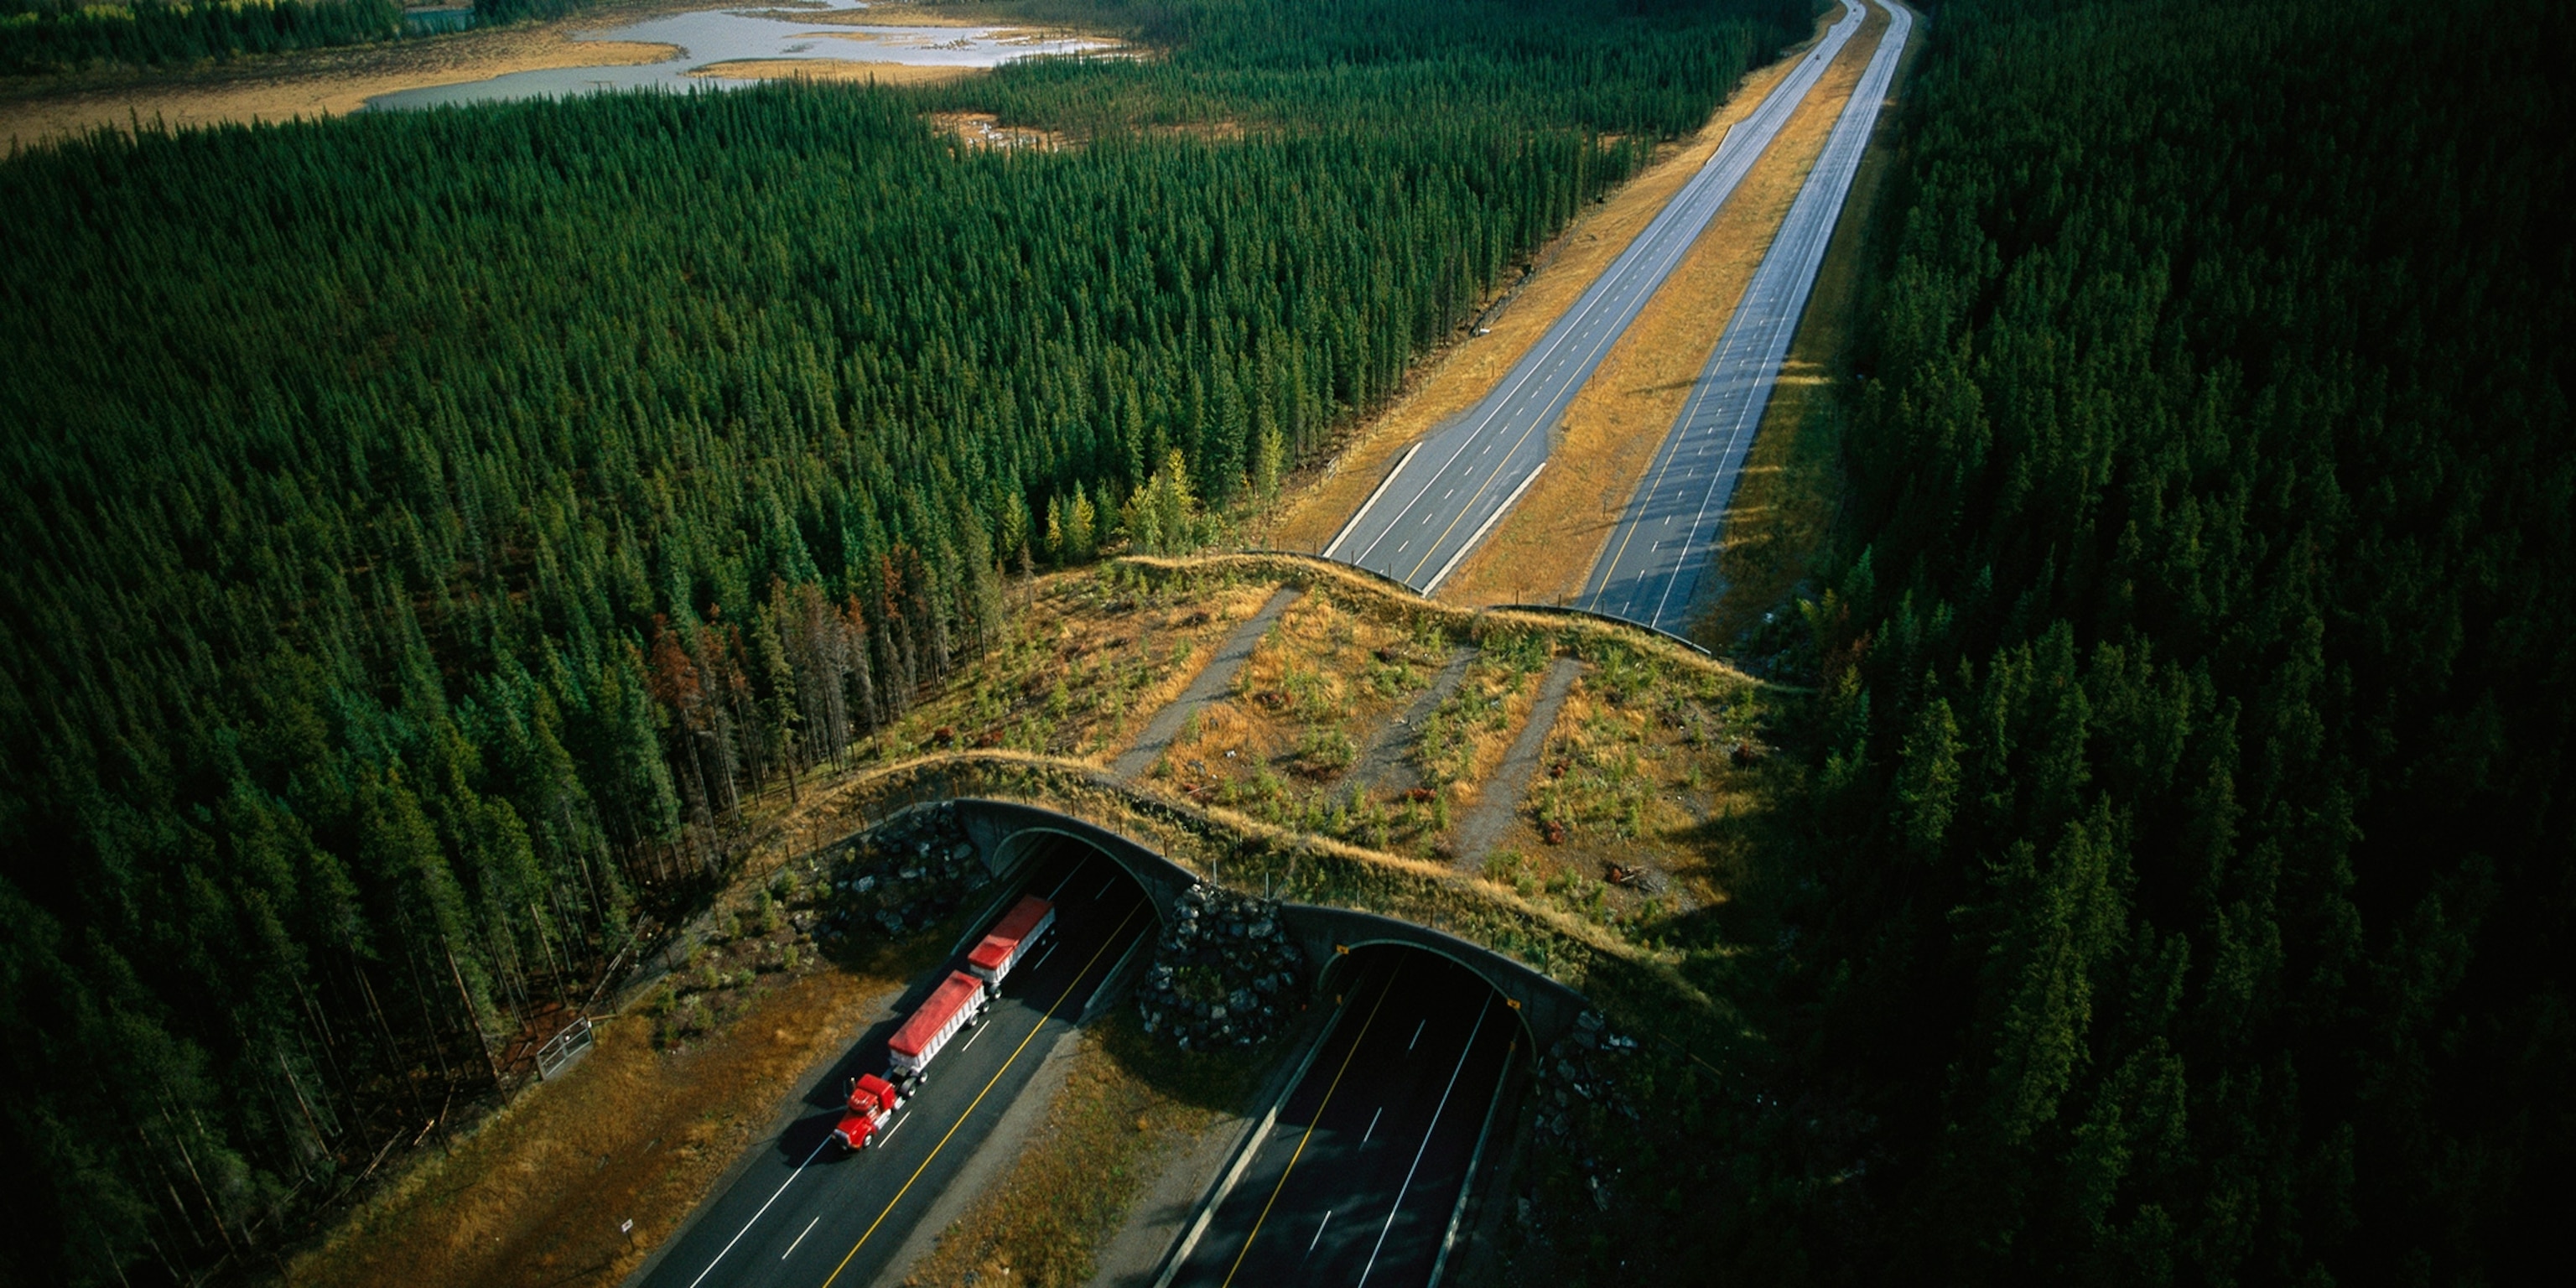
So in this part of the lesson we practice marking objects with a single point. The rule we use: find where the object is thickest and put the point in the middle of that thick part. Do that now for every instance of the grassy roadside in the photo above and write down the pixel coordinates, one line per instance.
(634, 1131)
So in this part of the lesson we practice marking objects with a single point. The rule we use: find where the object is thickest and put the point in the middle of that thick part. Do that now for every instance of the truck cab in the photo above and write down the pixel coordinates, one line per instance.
(872, 1102)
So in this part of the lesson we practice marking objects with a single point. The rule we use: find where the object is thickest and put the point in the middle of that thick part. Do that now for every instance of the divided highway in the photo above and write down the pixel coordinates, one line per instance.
(1659, 557)
(1357, 1180)
(1447, 490)
(804, 1213)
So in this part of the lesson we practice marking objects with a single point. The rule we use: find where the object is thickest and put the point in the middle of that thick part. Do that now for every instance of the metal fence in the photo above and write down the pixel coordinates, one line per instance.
(561, 1050)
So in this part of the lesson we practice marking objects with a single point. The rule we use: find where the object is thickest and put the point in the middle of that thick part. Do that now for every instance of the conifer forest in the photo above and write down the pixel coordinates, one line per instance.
(65, 35)
(429, 533)
(2190, 825)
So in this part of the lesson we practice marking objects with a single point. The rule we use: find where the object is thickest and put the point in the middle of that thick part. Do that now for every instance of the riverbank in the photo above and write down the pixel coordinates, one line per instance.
(330, 82)
(312, 82)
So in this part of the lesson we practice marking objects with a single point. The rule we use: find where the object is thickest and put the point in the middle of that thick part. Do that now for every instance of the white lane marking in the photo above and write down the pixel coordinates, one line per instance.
(1765, 286)
(1648, 259)
(1427, 1134)
(1319, 1230)
(970, 1043)
(898, 1126)
(1344, 534)
(1104, 889)
(1783, 280)
(1372, 1130)
(1068, 880)
(1417, 1032)
(764, 1211)
(1050, 952)
(1663, 243)
(800, 1237)
(1477, 537)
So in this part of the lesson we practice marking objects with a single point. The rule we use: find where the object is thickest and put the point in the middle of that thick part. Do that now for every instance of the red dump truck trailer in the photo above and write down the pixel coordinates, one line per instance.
(1011, 938)
(873, 1101)
(952, 1006)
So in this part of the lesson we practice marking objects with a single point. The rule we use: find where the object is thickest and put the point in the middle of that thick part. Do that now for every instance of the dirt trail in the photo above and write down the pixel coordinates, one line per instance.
(1499, 803)
(1387, 765)
(1212, 683)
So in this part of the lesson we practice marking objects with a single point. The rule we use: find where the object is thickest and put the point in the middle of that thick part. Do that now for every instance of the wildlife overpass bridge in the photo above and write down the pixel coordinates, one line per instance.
(1006, 833)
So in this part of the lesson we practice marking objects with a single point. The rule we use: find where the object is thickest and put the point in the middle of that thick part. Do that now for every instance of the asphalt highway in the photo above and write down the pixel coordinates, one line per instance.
(805, 1213)
(1357, 1179)
(1448, 490)
(1657, 565)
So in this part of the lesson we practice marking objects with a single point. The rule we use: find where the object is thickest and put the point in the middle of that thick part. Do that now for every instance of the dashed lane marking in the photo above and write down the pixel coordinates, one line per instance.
(800, 1237)
(1336, 1085)
(764, 1211)
(1427, 1134)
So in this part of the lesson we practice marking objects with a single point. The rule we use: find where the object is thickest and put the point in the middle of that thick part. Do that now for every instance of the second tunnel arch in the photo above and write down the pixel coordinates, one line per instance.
(1005, 833)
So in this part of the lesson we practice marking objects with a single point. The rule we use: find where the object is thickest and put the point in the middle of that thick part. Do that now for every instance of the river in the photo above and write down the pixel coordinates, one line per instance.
(708, 39)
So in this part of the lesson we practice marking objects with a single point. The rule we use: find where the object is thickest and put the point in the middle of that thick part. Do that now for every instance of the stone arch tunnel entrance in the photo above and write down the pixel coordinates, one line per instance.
(1007, 833)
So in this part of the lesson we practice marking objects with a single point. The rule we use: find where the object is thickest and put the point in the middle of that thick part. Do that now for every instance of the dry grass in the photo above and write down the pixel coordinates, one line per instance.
(535, 1198)
(832, 69)
(1321, 674)
(1126, 1105)
(1638, 765)
(901, 13)
(1319, 687)
(1316, 506)
(1545, 549)
(313, 82)
(1375, 597)
(332, 82)
(1088, 661)
(1465, 738)
(1624, 975)
(985, 130)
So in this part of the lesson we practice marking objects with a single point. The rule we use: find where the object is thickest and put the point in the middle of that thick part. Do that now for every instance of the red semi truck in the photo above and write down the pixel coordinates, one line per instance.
(951, 1009)
(1010, 939)
(873, 1100)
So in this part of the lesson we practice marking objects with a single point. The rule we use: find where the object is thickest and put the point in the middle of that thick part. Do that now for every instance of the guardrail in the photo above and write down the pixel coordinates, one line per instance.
(561, 1050)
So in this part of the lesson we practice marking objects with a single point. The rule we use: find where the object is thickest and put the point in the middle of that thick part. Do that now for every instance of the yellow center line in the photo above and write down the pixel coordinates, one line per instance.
(1345, 1067)
(979, 1097)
